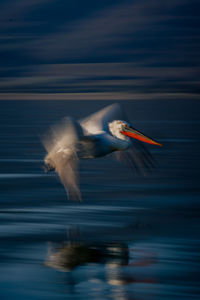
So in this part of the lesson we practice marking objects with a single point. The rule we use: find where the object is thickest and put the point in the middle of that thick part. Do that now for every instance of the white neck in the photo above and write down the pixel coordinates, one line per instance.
(120, 140)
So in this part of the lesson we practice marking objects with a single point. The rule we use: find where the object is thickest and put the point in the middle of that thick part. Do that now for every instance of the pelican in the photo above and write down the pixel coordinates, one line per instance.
(104, 132)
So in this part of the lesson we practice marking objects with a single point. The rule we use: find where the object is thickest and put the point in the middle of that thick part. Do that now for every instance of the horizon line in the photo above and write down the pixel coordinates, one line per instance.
(100, 96)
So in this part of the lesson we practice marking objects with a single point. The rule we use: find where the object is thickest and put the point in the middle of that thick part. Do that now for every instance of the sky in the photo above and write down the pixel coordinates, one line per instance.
(109, 49)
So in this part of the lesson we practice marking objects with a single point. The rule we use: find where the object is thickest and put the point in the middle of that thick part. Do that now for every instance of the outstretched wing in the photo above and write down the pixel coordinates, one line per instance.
(98, 121)
(137, 157)
(61, 145)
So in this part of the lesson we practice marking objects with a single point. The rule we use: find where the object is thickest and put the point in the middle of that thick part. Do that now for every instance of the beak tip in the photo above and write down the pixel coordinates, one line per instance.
(160, 145)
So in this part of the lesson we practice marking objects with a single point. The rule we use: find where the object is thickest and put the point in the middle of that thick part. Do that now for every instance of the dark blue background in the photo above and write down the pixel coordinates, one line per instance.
(134, 48)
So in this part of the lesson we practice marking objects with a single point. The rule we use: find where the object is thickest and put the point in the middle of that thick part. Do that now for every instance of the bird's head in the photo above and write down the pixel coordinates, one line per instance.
(123, 130)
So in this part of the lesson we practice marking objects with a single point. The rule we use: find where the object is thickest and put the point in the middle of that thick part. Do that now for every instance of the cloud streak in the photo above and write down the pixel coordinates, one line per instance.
(102, 29)
(103, 77)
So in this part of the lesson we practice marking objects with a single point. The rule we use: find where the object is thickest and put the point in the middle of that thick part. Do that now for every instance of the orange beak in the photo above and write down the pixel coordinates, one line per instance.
(131, 132)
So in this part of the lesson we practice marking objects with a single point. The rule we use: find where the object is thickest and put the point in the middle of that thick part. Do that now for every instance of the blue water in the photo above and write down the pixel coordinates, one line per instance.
(132, 237)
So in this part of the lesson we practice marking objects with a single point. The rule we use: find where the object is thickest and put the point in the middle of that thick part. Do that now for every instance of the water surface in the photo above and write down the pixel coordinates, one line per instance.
(132, 237)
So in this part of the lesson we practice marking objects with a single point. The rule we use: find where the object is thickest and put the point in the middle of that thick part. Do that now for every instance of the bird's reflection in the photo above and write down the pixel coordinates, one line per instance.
(70, 255)
(120, 269)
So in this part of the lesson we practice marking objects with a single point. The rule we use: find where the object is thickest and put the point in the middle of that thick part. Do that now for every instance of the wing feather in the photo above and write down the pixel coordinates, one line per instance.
(61, 145)
(98, 121)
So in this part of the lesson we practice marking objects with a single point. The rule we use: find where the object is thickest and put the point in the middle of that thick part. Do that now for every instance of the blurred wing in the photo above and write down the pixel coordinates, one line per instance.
(138, 157)
(66, 169)
(98, 121)
(63, 135)
(61, 145)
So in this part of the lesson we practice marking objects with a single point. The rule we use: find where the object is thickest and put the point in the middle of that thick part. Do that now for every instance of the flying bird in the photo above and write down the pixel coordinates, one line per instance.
(104, 132)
